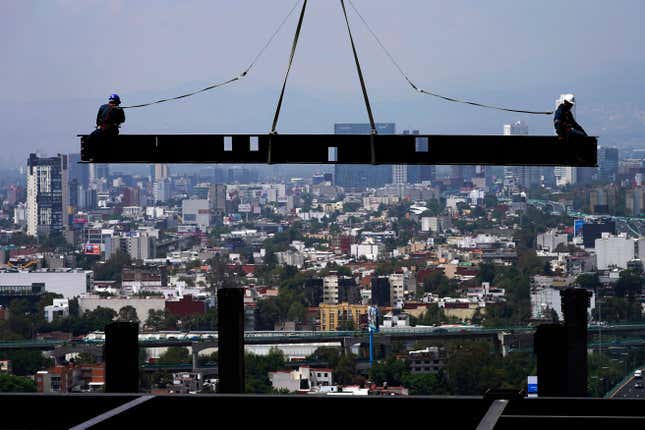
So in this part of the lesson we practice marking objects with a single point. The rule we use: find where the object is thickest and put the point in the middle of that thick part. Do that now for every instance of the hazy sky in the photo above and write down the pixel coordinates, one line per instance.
(62, 58)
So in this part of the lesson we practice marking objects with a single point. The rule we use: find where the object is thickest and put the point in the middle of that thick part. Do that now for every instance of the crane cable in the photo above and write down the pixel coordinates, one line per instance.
(294, 45)
(236, 78)
(430, 93)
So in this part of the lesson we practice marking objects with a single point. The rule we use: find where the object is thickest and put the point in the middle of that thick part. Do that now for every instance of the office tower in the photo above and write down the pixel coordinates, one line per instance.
(381, 291)
(78, 171)
(357, 177)
(217, 198)
(565, 175)
(160, 172)
(400, 174)
(521, 176)
(607, 163)
(161, 190)
(98, 172)
(79, 178)
(635, 201)
(47, 194)
(419, 173)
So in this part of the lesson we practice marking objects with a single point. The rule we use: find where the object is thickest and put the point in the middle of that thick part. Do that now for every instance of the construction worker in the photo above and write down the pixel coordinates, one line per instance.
(563, 121)
(110, 117)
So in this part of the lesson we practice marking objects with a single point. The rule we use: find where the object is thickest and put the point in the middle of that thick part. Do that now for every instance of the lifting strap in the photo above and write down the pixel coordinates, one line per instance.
(294, 44)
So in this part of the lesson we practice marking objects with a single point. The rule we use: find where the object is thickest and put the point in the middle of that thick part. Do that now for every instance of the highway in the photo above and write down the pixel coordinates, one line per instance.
(632, 389)
(276, 337)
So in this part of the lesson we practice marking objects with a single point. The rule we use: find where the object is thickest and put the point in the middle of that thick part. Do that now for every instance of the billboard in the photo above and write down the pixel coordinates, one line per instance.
(372, 318)
(532, 386)
(92, 249)
(577, 226)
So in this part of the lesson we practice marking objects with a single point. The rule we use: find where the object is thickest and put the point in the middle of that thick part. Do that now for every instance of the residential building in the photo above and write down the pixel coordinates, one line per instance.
(614, 251)
(47, 195)
(550, 240)
(304, 379)
(333, 317)
(58, 309)
(196, 211)
(68, 282)
(607, 163)
(428, 360)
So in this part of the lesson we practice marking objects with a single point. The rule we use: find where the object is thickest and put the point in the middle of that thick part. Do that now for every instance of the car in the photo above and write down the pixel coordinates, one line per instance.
(638, 374)
(638, 385)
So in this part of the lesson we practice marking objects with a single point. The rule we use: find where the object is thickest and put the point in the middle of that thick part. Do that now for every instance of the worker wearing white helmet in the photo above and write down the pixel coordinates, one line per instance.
(563, 120)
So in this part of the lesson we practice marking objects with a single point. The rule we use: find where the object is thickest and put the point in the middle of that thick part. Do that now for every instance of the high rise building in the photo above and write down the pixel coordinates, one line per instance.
(602, 200)
(98, 172)
(47, 195)
(419, 173)
(78, 171)
(635, 201)
(159, 172)
(521, 176)
(161, 190)
(607, 163)
(217, 198)
(356, 177)
(565, 175)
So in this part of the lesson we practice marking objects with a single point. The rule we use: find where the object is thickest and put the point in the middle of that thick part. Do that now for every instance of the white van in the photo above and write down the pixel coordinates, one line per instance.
(638, 374)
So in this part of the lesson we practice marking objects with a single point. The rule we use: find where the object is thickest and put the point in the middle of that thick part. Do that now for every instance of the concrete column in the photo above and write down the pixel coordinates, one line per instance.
(195, 358)
(230, 310)
(575, 302)
(122, 357)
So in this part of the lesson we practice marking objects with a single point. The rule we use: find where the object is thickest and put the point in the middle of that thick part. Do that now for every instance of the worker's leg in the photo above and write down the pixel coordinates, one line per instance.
(576, 133)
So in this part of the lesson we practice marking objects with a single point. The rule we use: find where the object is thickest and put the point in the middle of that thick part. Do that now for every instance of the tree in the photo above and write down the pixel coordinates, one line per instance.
(391, 370)
(588, 280)
(490, 200)
(85, 358)
(112, 268)
(128, 313)
(434, 315)
(423, 384)
(629, 284)
(26, 362)
(175, 355)
(345, 370)
(16, 384)
(257, 370)
(486, 272)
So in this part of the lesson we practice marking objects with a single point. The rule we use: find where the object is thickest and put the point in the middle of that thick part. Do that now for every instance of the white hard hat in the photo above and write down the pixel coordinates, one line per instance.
(569, 98)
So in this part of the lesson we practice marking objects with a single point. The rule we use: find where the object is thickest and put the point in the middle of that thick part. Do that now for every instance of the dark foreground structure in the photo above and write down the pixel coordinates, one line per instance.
(111, 411)
(342, 149)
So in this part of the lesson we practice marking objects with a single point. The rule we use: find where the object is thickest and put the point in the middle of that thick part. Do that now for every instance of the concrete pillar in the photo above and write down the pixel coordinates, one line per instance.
(195, 355)
(550, 346)
(575, 302)
(122, 357)
(230, 310)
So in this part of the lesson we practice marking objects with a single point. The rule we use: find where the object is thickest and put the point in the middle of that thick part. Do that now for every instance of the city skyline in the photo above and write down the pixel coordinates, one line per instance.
(522, 63)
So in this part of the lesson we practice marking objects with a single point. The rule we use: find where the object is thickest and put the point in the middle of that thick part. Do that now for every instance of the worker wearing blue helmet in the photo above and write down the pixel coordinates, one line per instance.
(110, 116)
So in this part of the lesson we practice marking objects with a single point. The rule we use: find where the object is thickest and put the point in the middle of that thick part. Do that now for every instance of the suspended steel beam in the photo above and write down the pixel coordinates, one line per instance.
(341, 149)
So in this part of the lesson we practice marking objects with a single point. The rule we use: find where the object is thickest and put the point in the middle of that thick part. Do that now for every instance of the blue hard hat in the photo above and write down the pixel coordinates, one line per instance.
(115, 98)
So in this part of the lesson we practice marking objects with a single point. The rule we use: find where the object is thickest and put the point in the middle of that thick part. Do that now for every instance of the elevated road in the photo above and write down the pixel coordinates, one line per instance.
(166, 339)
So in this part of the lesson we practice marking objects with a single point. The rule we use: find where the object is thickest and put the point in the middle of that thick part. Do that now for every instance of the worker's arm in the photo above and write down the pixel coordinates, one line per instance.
(99, 116)
(558, 123)
(120, 115)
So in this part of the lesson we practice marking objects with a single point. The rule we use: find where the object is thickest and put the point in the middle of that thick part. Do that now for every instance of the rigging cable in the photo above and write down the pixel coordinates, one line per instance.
(362, 81)
(430, 93)
(236, 78)
(360, 73)
(294, 44)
